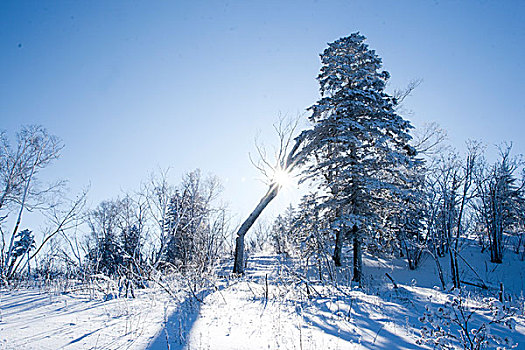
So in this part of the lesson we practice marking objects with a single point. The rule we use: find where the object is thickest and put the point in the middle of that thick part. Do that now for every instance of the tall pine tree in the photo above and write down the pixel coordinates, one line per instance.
(358, 142)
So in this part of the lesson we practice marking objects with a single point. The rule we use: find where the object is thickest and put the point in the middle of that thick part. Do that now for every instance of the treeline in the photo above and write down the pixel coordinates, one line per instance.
(160, 227)
(459, 199)
(181, 227)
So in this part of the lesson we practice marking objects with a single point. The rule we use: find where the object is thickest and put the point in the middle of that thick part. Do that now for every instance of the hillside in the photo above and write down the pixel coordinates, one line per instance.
(274, 306)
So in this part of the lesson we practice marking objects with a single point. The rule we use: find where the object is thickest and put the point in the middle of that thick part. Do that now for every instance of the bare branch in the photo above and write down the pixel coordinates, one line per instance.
(429, 140)
(401, 94)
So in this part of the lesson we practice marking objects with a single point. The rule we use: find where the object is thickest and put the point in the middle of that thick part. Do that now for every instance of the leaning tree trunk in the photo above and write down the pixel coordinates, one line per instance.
(238, 266)
(286, 164)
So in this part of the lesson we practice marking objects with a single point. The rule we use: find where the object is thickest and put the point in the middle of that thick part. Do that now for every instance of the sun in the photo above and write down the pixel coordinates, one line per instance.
(282, 178)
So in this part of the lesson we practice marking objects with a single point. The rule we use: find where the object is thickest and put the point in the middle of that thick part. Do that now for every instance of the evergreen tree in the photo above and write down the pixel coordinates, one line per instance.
(279, 231)
(282, 232)
(23, 243)
(178, 230)
(105, 254)
(311, 227)
(359, 142)
(191, 226)
(131, 243)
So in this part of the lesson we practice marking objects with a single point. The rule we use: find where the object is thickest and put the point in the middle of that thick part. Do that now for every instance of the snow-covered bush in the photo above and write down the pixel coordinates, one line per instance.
(462, 322)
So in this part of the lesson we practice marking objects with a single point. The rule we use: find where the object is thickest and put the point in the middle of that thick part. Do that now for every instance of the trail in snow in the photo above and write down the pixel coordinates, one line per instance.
(240, 316)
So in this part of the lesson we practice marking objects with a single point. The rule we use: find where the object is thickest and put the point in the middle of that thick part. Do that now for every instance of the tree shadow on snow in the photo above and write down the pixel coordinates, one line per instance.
(177, 327)
(175, 333)
(369, 325)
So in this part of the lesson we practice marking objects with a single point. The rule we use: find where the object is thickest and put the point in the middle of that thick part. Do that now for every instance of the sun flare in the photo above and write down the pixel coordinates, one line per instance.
(282, 178)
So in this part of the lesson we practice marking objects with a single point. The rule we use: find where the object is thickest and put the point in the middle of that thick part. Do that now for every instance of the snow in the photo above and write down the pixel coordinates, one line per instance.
(240, 317)
(34, 318)
(243, 313)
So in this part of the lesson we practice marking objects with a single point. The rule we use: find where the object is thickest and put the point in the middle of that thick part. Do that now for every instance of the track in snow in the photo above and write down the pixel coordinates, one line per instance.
(240, 316)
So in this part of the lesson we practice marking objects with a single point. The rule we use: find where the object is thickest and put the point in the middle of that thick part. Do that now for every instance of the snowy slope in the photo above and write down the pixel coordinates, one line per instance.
(38, 319)
(272, 307)
(340, 317)
(240, 316)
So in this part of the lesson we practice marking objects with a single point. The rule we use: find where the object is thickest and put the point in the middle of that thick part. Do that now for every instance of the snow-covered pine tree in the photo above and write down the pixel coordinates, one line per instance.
(131, 243)
(359, 143)
(311, 230)
(193, 223)
(105, 254)
(403, 217)
(24, 242)
(279, 232)
(176, 229)
(283, 237)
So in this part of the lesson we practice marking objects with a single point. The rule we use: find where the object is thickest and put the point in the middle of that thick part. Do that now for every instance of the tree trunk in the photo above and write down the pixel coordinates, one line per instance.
(17, 224)
(454, 273)
(338, 240)
(497, 255)
(440, 270)
(358, 257)
(338, 247)
(238, 265)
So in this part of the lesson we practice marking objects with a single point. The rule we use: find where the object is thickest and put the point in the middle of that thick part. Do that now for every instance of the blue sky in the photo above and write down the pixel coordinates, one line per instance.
(135, 86)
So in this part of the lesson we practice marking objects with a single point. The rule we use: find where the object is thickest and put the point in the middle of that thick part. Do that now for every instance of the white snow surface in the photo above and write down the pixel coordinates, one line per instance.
(243, 313)
(41, 319)
(240, 317)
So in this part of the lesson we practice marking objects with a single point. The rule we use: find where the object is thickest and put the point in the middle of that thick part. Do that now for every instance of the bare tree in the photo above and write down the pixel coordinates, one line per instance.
(188, 224)
(467, 193)
(105, 253)
(500, 199)
(60, 220)
(429, 141)
(193, 229)
(158, 193)
(450, 191)
(287, 156)
(400, 95)
(19, 167)
(132, 225)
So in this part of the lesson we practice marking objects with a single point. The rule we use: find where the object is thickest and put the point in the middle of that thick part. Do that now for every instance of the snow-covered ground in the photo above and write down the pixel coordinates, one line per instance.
(34, 318)
(241, 317)
(271, 307)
